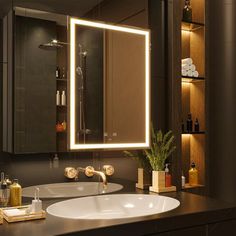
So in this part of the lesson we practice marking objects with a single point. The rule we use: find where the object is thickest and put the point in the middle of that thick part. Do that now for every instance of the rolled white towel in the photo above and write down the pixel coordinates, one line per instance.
(185, 67)
(188, 61)
(192, 67)
(195, 74)
(190, 73)
(184, 72)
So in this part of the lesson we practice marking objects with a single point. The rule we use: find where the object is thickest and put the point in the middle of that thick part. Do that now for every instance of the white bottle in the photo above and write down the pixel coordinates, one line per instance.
(58, 98)
(183, 181)
(63, 98)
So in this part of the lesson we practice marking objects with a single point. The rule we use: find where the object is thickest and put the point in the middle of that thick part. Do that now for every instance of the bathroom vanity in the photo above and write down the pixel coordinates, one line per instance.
(196, 215)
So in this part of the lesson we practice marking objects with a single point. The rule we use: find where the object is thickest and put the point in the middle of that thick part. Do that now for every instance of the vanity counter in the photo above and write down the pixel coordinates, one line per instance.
(196, 215)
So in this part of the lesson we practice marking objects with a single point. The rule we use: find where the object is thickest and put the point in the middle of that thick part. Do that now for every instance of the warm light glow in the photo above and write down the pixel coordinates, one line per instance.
(186, 31)
(146, 34)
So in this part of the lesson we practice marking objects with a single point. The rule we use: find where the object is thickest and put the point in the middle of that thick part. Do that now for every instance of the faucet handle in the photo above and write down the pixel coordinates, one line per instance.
(108, 170)
(71, 173)
(89, 171)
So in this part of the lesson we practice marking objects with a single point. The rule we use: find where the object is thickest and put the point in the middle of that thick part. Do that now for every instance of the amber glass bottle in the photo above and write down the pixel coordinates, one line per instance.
(15, 193)
(193, 175)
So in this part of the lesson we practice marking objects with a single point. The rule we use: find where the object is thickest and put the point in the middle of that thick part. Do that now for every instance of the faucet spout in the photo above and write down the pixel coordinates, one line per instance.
(90, 171)
(103, 176)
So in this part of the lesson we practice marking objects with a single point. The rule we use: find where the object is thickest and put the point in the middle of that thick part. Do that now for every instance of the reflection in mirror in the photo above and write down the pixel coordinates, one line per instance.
(109, 86)
(40, 48)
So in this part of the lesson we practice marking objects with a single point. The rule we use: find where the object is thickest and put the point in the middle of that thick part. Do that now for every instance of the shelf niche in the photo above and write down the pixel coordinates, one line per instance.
(193, 92)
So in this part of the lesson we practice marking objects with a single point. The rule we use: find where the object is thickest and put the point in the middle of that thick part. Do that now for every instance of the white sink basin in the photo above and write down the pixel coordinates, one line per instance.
(67, 190)
(113, 206)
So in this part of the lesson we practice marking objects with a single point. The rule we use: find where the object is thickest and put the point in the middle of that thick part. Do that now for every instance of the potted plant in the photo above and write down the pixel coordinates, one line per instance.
(161, 148)
(144, 169)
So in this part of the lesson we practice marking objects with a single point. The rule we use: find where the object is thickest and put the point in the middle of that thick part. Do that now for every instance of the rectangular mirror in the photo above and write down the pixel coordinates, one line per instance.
(109, 86)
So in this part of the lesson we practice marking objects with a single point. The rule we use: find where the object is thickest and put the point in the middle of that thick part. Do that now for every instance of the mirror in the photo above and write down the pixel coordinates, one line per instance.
(109, 86)
(73, 85)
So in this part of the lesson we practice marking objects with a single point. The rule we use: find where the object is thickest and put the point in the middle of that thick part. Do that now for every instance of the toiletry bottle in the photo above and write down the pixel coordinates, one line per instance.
(4, 192)
(63, 73)
(15, 193)
(63, 98)
(182, 126)
(64, 125)
(196, 125)
(36, 203)
(189, 123)
(183, 180)
(193, 175)
(55, 161)
(58, 98)
(187, 11)
(167, 176)
(8, 181)
(57, 72)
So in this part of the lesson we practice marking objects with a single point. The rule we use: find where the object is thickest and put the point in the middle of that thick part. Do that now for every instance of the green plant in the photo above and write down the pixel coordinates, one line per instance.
(140, 156)
(161, 148)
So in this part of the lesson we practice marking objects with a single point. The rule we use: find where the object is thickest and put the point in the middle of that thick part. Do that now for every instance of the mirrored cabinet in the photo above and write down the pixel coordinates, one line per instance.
(35, 82)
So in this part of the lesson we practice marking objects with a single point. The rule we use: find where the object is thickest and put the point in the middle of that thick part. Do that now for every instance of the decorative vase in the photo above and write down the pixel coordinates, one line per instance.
(144, 179)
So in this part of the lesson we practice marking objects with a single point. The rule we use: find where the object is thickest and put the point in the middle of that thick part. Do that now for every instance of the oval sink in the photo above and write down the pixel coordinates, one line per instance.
(72, 189)
(113, 206)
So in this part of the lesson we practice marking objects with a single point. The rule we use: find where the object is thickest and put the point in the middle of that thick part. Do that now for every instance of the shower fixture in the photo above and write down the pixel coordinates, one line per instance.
(52, 45)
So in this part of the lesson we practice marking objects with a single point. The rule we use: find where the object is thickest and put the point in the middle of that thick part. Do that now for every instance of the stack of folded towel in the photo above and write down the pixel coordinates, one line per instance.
(188, 68)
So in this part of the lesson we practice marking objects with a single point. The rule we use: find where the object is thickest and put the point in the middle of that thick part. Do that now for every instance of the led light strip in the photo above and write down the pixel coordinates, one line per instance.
(75, 146)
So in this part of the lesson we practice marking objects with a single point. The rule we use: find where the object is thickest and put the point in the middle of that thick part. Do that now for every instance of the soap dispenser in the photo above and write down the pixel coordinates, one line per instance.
(36, 203)
(167, 176)
(193, 175)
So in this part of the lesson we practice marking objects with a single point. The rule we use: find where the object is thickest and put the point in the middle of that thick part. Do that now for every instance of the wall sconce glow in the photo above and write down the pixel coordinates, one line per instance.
(76, 146)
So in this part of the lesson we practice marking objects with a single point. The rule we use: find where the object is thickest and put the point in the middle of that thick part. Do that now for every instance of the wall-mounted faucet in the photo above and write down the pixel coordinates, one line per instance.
(89, 171)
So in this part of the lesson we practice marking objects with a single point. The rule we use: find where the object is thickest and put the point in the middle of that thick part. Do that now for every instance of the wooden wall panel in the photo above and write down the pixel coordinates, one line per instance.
(197, 50)
(197, 103)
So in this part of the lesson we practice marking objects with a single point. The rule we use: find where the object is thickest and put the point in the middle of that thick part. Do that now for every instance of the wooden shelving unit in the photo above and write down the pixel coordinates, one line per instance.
(193, 93)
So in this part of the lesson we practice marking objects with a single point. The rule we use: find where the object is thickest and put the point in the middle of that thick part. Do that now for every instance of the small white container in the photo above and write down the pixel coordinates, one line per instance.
(63, 98)
(183, 181)
(58, 98)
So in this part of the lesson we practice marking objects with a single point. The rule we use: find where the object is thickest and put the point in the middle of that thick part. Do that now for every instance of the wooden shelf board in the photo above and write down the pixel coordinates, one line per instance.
(192, 79)
(191, 26)
(200, 132)
(62, 80)
(188, 186)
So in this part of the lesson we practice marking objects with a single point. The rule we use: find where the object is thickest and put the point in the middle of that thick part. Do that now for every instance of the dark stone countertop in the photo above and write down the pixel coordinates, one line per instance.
(193, 210)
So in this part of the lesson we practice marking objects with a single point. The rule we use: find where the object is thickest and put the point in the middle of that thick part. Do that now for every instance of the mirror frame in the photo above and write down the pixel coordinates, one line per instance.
(72, 117)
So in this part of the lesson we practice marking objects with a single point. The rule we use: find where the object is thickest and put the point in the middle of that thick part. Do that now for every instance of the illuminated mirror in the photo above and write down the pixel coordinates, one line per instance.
(109, 86)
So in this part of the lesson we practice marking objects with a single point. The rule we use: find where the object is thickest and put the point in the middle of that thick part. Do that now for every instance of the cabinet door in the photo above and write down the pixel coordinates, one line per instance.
(34, 87)
(195, 231)
(222, 228)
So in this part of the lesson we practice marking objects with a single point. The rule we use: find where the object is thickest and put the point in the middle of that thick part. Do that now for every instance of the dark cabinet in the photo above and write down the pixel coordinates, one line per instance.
(222, 228)
(194, 231)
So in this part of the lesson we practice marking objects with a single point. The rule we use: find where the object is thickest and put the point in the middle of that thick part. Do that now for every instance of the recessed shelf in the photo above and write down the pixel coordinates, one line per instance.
(193, 132)
(61, 80)
(188, 79)
(191, 26)
(188, 186)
